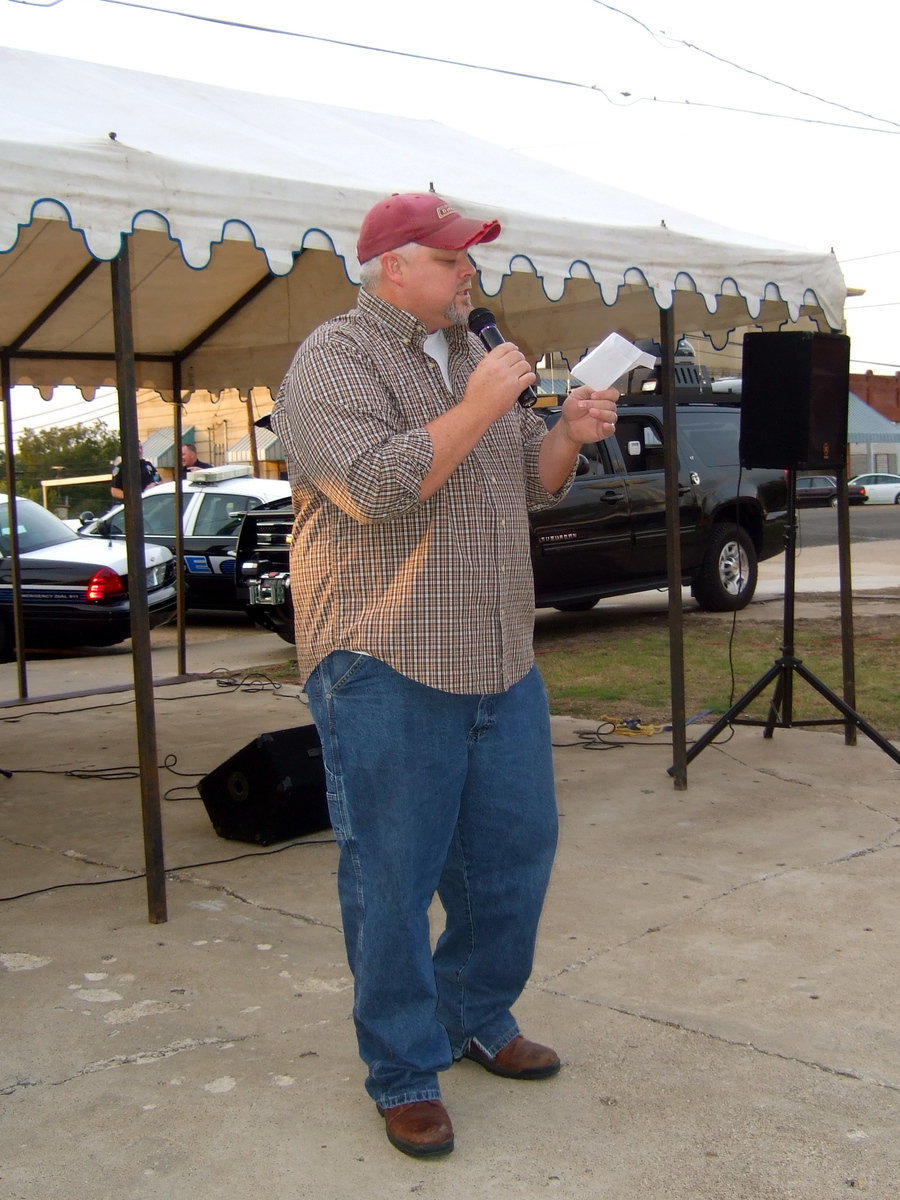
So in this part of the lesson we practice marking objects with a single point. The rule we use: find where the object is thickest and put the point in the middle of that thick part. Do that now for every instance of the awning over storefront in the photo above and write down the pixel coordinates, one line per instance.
(866, 424)
(159, 446)
(268, 447)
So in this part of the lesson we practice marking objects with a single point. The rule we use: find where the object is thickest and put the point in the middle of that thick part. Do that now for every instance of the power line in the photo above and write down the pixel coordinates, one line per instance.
(32, 427)
(61, 416)
(863, 257)
(65, 414)
(752, 112)
(738, 67)
(525, 75)
(890, 366)
(96, 409)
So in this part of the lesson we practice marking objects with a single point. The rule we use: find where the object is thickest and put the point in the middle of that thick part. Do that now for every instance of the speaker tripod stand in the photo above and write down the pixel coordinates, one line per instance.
(787, 665)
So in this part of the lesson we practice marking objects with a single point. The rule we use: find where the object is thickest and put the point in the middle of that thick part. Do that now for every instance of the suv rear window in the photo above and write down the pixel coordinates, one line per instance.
(711, 436)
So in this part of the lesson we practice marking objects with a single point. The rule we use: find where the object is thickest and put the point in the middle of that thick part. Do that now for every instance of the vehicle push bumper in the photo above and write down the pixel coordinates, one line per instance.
(270, 589)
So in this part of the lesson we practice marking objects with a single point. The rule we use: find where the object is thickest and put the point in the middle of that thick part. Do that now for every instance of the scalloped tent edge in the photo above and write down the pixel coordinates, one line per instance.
(221, 191)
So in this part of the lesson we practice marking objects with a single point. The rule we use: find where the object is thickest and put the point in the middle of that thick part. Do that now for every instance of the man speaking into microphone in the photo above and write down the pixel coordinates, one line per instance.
(413, 467)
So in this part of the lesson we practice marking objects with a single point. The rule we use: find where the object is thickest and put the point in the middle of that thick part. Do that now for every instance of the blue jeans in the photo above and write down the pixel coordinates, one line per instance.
(429, 793)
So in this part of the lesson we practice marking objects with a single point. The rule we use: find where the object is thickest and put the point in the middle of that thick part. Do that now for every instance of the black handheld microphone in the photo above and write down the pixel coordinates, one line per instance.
(483, 324)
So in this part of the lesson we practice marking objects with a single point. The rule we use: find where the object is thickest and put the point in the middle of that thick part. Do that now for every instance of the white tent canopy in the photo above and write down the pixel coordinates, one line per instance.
(228, 191)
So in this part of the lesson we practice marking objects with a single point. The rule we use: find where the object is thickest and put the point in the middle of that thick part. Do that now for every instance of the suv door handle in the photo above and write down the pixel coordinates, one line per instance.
(612, 496)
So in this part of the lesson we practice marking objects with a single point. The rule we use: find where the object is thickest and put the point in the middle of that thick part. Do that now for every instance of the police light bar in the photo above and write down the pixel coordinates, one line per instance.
(217, 474)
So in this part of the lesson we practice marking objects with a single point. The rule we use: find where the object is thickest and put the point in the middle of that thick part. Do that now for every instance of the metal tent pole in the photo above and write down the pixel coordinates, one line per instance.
(18, 630)
(678, 770)
(137, 587)
(180, 572)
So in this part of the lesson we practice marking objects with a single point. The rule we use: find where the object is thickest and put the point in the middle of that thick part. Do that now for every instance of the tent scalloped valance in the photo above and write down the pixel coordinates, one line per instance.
(222, 180)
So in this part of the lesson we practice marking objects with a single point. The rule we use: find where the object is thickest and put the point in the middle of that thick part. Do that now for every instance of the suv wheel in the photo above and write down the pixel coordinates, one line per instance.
(726, 580)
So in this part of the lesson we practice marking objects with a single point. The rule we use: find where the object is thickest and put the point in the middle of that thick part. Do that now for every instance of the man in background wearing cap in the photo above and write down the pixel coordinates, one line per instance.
(413, 469)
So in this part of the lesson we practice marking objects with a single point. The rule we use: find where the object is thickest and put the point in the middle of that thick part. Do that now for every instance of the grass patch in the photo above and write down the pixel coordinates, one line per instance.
(620, 668)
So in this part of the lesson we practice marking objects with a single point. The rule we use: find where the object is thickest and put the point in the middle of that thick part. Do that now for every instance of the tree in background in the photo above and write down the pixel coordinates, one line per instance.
(79, 450)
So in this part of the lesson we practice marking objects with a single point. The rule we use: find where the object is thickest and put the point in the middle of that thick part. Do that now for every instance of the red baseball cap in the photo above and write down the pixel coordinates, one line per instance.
(419, 217)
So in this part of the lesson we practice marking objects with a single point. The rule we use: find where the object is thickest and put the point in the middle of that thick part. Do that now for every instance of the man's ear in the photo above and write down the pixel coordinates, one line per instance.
(392, 267)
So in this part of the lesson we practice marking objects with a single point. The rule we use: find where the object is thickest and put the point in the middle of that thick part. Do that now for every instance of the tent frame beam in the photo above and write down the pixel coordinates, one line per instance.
(224, 318)
(54, 306)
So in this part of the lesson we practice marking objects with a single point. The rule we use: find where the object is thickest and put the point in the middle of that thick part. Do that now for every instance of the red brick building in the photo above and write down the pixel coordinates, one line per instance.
(881, 392)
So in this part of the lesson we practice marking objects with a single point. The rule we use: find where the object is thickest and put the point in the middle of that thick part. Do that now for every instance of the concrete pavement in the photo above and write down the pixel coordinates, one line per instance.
(716, 966)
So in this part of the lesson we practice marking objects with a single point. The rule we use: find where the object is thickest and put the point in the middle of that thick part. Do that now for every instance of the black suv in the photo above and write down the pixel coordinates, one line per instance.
(607, 537)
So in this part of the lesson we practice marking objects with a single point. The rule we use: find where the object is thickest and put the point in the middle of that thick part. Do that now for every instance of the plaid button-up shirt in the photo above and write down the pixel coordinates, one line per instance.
(440, 590)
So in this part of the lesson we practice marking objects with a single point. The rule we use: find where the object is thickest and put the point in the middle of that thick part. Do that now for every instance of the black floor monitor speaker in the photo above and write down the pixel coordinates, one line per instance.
(794, 400)
(271, 791)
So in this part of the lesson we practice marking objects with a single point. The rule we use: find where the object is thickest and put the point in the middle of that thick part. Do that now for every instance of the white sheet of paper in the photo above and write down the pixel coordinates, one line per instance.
(602, 366)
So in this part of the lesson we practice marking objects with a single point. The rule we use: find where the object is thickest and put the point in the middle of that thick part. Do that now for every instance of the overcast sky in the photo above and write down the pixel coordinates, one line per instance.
(774, 117)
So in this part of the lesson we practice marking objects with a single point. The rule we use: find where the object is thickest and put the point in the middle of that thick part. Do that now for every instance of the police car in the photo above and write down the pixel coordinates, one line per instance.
(74, 592)
(215, 499)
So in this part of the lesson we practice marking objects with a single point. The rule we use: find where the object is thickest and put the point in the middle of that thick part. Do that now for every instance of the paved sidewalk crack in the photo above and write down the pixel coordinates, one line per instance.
(589, 959)
(74, 855)
(179, 874)
(668, 1023)
(140, 1058)
(210, 885)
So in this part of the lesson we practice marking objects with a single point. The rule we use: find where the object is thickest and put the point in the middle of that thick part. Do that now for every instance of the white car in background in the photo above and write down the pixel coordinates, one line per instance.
(215, 499)
(881, 488)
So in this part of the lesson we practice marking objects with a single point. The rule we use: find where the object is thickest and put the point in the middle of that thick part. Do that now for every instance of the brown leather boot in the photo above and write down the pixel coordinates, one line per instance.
(421, 1128)
(519, 1059)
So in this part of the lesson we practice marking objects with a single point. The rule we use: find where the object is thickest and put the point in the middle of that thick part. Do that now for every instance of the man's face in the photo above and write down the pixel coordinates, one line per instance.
(437, 286)
(188, 456)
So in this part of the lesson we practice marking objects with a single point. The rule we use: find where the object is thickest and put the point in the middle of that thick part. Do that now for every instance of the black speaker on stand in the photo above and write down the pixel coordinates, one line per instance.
(795, 390)
(270, 791)
(794, 402)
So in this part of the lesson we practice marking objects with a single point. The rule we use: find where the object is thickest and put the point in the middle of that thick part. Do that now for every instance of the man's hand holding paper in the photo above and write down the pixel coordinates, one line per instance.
(609, 361)
(589, 415)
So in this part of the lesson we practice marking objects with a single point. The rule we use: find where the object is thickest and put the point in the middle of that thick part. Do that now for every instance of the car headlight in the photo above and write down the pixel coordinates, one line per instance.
(156, 575)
